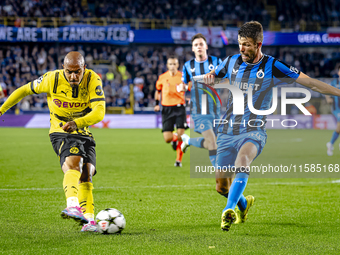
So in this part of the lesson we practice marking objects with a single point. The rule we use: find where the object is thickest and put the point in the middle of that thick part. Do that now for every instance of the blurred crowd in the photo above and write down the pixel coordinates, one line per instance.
(133, 67)
(234, 11)
(141, 9)
(289, 13)
(292, 13)
(43, 8)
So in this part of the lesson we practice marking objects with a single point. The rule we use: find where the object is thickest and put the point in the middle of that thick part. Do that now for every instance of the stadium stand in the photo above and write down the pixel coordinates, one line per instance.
(274, 15)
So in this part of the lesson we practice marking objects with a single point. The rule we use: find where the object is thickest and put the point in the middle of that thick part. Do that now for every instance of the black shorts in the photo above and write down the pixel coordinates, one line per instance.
(65, 145)
(172, 115)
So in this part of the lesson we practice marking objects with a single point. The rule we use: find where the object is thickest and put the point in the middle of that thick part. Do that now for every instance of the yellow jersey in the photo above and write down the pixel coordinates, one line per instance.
(83, 104)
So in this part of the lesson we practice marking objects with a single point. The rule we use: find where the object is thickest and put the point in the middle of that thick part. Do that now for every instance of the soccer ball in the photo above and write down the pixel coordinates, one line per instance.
(110, 221)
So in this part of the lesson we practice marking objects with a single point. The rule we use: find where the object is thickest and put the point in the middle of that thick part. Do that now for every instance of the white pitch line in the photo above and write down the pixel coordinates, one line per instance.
(178, 186)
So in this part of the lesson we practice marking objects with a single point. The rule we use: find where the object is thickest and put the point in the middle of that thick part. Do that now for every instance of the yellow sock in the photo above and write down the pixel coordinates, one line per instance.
(86, 199)
(70, 184)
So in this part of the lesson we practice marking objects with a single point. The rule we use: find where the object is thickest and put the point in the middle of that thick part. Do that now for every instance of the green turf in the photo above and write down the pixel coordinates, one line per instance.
(167, 212)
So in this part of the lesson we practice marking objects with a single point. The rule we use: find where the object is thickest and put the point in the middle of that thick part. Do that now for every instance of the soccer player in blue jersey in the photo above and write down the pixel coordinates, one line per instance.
(201, 64)
(335, 103)
(239, 144)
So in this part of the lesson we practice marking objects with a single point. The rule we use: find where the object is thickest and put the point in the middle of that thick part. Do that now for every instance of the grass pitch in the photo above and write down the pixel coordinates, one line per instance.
(167, 212)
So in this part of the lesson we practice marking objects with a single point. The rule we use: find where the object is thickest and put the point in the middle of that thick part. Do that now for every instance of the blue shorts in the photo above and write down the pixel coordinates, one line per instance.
(204, 122)
(228, 146)
(337, 115)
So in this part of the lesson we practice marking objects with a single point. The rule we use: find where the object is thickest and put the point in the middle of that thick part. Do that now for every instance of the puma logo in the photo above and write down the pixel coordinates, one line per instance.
(64, 93)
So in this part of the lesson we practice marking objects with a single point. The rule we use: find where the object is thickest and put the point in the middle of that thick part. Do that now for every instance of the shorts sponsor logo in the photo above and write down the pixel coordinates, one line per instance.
(74, 150)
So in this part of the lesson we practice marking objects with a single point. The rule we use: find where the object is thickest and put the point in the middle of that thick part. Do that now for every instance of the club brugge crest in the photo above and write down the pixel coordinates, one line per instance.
(211, 67)
(260, 74)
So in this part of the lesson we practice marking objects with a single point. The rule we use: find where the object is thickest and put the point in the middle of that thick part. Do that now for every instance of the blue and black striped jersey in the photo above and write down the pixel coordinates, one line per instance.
(261, 77)
(192, 68)
(336, 100)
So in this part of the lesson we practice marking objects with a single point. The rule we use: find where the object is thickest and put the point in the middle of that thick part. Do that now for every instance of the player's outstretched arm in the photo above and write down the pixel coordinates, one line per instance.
(208, 78)
(16, 97)
(96, 115)
(317, 85)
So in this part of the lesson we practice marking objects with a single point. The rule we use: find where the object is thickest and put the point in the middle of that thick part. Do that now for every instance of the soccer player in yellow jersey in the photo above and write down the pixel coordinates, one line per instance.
(76, 100)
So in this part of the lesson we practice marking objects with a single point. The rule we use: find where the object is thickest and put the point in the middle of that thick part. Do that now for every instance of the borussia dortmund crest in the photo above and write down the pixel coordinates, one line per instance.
(83, 93)
(74, 150)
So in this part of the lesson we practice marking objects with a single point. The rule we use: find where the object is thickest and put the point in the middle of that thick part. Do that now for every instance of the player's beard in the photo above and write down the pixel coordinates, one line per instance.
(251, 56)
(73, 85)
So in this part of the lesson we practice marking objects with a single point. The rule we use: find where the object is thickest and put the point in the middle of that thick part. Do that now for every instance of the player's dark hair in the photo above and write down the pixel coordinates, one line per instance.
(338, 66)
(172, 56)
(197, 36)
(253, 30)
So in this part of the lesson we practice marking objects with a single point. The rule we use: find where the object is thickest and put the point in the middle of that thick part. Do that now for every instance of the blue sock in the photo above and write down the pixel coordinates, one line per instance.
(334, 137)
(197, 142)
(235, 193)
(242, 203)
(212, 156)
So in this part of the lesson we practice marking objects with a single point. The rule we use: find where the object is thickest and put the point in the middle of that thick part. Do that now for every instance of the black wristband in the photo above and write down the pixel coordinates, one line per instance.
(157, 102)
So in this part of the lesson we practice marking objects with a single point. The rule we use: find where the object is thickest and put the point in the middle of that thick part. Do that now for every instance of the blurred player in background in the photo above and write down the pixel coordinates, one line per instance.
(335, 104)
(203, 121)
(173, 110)
(76, 101)
(238, 145)
(201, 64)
